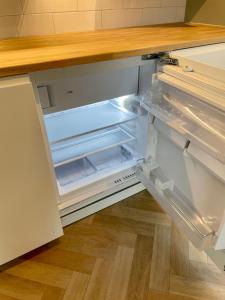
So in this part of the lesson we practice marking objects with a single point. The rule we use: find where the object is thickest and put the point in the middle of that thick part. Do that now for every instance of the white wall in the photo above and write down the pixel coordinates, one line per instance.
(35, 17)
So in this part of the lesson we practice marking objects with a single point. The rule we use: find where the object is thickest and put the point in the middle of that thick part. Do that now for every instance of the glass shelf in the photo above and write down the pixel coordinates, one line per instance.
(76, 122)
(80, 147)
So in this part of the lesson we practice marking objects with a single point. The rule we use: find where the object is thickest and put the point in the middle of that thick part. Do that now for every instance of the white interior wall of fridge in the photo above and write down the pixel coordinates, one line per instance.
(99, 140)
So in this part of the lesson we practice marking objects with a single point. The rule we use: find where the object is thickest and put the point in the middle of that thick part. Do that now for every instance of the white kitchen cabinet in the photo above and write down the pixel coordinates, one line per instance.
(110, 126)
(29, 215)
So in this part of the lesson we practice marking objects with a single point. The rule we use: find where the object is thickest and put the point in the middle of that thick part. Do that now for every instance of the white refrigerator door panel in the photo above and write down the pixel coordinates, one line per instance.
(204, 60)
(185, 165)
(198, 80)
(187, 189)
(29, 215)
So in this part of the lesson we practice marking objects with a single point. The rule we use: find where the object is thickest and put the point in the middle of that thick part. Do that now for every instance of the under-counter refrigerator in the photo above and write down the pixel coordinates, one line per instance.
(110, 129)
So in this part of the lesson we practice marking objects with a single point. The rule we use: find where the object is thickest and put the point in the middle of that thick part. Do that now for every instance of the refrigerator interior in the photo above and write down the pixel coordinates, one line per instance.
(92, 142)
(95, 124)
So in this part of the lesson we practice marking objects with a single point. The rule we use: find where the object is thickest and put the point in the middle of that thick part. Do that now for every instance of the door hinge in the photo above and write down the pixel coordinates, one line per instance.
(167, 60)
(163, 58)
(152, 56)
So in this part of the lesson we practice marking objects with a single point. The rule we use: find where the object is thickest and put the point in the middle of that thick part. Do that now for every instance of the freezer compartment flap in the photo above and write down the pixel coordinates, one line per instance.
(87, 84)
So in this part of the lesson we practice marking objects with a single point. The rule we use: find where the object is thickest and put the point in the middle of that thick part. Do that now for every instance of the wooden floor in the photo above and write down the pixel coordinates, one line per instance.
(128, 251)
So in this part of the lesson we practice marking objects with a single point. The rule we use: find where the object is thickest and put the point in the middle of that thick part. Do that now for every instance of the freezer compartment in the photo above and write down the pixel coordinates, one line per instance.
(184, 185)
(198, 116)
(92, 168)
(66, 88)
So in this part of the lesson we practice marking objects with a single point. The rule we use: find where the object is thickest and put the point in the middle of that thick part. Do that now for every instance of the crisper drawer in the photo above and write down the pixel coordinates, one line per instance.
(185, 186)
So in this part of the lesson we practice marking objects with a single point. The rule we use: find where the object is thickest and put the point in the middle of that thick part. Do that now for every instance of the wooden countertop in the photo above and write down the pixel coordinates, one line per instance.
(28, 54)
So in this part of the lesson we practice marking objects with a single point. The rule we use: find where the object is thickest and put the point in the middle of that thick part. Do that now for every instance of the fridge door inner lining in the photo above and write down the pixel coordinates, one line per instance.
(183, 185)
(201, 122)
(176, 205)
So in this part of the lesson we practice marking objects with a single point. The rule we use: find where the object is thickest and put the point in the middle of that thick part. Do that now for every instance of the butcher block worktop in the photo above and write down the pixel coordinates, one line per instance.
(28, 54)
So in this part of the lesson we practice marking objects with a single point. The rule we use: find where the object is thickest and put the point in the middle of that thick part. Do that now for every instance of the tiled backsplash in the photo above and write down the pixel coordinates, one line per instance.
(35, 17)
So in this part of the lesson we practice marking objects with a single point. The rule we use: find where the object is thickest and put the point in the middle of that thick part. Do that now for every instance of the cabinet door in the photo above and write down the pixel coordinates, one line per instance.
(29, 216)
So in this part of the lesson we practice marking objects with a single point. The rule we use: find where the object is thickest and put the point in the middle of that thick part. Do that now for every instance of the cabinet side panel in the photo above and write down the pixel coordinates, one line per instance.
(29, 216)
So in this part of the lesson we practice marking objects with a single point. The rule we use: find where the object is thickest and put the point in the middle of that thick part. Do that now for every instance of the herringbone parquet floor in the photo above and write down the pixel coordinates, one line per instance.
(129, 251)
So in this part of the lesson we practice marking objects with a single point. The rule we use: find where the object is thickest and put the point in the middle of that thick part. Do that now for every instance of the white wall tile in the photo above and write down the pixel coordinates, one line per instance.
(77, 21)
(9, 26)
(36, 17)
(121, 18)
(180, 16)
(158, 15)
(113, 4)
(174, 2)
(10, 7)
(142, 3)
(44, 6)
(100, 4)
(168, 15)
(116, 4)
(36, 24)
(89, 4)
